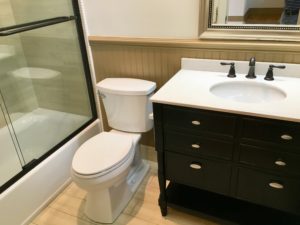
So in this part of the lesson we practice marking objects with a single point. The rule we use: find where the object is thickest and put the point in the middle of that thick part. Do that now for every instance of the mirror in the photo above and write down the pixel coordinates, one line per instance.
(255, 12)
(251, 19)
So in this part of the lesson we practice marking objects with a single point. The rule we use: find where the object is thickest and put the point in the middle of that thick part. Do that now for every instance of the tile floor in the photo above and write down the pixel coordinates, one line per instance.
(67, 208)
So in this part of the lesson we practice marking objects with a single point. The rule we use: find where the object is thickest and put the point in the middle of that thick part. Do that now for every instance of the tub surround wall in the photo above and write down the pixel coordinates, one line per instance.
(5, 17)
(20, 99)
(31, 10)
(2, 121)
(159, 59)
(60, 93)
(42, 48)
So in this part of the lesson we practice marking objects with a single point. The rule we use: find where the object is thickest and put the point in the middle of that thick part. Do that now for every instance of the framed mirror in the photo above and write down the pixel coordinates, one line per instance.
(276, 20)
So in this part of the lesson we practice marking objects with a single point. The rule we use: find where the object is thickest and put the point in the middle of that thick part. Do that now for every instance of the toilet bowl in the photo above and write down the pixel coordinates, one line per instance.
(109, 177)
(108, 166)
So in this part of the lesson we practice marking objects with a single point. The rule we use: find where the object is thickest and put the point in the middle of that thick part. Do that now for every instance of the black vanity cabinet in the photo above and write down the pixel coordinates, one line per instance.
(252, 159)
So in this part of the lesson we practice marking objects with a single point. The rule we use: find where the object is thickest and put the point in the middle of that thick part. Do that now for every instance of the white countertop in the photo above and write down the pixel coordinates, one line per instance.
(190, 87)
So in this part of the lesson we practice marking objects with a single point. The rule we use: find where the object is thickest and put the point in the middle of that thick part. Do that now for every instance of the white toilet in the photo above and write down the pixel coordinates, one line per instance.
(108, 166)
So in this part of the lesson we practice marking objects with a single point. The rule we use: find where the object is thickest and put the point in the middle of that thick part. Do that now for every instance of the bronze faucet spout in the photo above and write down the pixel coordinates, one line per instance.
(251, 72)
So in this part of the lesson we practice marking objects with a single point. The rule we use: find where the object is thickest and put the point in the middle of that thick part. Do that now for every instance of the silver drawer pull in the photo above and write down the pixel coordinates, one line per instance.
(280, 163)
(286, 137)
(196, 122)
(195, 146)
(196, 166)
(276, 185)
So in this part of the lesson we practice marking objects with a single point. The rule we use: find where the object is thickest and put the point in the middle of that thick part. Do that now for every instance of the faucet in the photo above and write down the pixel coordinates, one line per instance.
(251, 72)
(269, 76)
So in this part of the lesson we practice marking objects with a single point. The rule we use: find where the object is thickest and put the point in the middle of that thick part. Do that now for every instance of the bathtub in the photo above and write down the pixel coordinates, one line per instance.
(47, 128)
(30, 194)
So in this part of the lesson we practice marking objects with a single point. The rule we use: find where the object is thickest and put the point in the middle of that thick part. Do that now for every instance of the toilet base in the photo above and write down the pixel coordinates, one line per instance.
(106, 205)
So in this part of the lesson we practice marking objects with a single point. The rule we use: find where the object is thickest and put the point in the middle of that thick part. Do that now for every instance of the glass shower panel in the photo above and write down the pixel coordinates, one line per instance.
(10, 164)
(46, 91)
(15, 12)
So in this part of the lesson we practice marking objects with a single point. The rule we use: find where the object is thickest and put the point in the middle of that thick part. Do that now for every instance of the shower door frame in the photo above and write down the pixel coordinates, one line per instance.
(89, 82)
(11, 130)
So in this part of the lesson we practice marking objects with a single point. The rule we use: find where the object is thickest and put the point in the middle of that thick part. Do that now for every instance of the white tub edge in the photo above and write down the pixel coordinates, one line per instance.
(28, 196)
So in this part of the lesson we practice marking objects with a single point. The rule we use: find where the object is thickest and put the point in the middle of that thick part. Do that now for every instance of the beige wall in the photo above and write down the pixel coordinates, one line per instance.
(142, 18)
(159, 60)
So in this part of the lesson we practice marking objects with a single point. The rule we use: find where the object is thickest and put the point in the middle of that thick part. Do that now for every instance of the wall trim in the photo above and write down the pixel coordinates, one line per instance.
(195, 43)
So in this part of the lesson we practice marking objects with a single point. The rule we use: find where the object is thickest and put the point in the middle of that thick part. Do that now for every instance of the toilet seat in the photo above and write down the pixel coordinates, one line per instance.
(101, 154)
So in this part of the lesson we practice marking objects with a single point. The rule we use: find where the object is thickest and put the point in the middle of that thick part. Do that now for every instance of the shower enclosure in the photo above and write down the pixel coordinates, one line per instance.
(46, 93)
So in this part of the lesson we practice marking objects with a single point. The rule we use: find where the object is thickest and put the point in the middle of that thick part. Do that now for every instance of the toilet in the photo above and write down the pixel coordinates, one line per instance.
(108, 166)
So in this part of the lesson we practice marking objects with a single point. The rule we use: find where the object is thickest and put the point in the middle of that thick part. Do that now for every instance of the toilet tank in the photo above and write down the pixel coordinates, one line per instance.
(126, 103)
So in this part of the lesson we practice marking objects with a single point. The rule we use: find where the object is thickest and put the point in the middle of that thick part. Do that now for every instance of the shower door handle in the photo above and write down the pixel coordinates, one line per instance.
(6, 31)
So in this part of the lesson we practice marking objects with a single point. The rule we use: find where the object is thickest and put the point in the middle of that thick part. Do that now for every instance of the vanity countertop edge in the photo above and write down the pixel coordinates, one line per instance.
(190, 87)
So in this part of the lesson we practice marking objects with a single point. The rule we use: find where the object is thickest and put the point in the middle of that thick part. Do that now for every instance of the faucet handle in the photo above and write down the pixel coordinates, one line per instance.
(277, 66)
(231, 72)
(269, 76)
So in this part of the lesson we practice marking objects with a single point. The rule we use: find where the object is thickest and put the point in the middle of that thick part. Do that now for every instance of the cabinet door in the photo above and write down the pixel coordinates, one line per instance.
(269, 190)
(197, 172)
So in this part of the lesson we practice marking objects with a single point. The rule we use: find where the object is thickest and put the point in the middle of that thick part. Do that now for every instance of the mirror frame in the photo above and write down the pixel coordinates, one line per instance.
(238, 32)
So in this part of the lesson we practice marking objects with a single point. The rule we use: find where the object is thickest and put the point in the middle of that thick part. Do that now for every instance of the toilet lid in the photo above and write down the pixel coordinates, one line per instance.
(101, 153)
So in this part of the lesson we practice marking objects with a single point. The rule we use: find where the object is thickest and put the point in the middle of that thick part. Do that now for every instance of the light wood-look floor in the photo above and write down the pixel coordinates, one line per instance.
(67, 208)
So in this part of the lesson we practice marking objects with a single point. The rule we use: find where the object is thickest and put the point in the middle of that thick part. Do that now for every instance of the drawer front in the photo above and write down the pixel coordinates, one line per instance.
(199, 173)
(199, 121)
(269, 190)
(287, 134)
(198, 145)
(270, 159)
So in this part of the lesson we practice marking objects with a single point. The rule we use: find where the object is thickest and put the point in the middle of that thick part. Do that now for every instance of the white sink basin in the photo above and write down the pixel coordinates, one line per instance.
(247, 92)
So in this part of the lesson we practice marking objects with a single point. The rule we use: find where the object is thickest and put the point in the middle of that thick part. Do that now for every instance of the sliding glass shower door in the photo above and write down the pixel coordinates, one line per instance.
(10, 163)
(44, 76)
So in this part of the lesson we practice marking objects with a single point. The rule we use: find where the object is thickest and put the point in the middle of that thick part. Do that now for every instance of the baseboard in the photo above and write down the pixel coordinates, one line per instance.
(46, 202)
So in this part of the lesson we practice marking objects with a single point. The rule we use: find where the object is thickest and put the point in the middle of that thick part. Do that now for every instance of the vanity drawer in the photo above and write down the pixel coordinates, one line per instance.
(269, 190)
(269, 159)
(200, 173)
(287, 134)
(199, 120)
(197, 145)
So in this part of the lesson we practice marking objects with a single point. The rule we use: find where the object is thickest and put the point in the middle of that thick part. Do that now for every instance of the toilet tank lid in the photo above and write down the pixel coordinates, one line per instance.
(126, 86)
